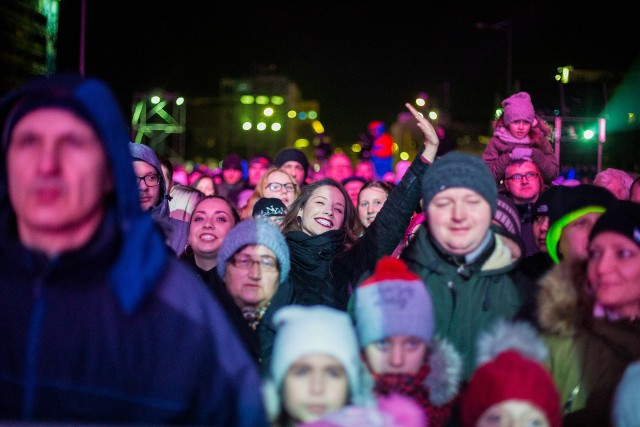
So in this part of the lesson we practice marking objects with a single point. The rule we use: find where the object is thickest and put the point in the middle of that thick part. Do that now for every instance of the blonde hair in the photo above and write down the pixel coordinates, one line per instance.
(184, 198)
(258, 193)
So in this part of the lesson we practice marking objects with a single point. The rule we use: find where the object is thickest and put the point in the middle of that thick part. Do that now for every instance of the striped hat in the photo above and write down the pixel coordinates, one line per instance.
(393, 301)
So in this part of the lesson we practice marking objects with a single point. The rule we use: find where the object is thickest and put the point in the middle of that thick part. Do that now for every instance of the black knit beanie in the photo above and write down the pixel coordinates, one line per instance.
(623, 218)
(292, 154)
(458, 169)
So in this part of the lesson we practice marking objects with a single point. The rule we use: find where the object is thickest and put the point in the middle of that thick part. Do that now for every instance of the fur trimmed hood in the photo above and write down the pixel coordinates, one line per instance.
(563, 298)
(443, 380)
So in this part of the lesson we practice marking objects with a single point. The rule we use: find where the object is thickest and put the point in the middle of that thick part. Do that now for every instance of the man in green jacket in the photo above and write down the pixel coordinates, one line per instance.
(467, 265)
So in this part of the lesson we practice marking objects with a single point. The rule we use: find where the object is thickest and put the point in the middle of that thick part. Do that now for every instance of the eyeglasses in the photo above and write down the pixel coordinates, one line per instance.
(150, 180)
(519, 176)
(276, 186)
(266, 263)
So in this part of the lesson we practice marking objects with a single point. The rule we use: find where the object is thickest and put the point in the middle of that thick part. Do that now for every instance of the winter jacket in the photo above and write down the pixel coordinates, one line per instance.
(587, 355)
(176, 231)
(117, 331)
(259, 343)
(324, 272)
(496, 156)
(467, 303)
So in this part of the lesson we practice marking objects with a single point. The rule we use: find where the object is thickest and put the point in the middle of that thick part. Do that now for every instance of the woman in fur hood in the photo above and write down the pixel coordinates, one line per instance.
(589, 312)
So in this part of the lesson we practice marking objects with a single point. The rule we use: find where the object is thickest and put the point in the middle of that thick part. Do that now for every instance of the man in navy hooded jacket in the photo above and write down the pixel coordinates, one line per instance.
(99, 323)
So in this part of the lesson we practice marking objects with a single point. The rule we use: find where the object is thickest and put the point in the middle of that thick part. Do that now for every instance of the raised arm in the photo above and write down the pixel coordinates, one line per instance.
(431, 140)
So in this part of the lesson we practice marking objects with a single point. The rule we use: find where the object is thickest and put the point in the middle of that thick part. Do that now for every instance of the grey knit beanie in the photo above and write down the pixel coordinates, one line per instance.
(254, 232)
(458, 169)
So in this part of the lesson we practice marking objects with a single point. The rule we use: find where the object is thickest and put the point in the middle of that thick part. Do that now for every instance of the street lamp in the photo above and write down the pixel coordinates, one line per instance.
(507, 27)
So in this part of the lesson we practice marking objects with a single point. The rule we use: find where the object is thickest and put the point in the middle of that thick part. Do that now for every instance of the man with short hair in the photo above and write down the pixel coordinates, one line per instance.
(99, 324)
(295, 163)
(523, 183)
(468, 268)
(339, 167)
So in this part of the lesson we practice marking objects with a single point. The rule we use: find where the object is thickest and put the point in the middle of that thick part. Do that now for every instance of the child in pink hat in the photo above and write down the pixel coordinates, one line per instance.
(519, 133)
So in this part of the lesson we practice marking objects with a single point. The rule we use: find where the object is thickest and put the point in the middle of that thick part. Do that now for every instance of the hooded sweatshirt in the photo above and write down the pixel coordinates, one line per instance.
(118, 330)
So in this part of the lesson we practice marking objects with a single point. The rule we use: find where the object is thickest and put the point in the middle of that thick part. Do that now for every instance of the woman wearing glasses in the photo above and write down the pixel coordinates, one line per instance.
(274, 183)
(253, 268)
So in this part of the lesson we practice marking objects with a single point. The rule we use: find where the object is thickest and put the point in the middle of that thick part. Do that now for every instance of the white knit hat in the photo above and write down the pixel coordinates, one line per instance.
(303, 330)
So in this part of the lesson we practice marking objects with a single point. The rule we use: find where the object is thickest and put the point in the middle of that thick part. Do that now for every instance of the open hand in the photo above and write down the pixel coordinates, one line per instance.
(431, 140)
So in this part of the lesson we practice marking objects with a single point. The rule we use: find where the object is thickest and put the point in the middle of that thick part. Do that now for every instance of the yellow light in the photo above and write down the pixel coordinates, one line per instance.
(261, 126)
(404, 155)
(276, 127)
(356, 148)
(395, 147)
(433, 115)
(246, 125)
(301, 143)
(291, 114)
(420, 102)
(268, 112)
(317, 127)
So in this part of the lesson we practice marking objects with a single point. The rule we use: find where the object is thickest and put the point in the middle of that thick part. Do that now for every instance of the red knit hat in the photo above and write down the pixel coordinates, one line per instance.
(510, 375)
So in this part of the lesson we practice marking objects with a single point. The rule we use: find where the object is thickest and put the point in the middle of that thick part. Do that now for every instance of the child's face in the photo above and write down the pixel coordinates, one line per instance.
(519, 128)
(315, 385)
(399, 354)
(512, 413)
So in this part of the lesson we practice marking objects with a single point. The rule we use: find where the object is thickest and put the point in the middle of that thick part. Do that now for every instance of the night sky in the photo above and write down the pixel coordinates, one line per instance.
(360, 62)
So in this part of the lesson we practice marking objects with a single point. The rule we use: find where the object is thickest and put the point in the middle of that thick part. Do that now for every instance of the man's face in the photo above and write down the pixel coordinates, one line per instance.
(459, 219)
(525, 189)
(574, 239)
(255, 172)
(540, 227)
(231, 176)
(58, 175)
(353, 189)
(340, 167)
(149, 196)
(296, 171)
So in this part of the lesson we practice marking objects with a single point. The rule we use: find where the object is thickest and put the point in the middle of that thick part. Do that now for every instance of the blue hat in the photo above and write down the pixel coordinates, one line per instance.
(254, 232)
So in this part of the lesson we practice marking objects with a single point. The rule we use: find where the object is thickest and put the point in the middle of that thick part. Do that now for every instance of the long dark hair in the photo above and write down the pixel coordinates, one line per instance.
(188, 251)
(352, 226)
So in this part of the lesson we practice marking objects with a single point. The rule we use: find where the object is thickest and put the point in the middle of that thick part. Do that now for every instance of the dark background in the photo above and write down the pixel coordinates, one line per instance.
(361, 62)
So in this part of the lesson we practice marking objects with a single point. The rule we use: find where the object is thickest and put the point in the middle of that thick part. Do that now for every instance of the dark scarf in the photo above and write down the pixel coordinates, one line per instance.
(414, 387)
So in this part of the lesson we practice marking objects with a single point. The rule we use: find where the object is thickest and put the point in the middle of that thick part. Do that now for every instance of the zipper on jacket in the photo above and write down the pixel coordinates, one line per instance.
(33, 341)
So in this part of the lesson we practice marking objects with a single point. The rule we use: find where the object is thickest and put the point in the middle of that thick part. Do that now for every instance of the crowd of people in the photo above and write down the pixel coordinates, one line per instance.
(461, 290)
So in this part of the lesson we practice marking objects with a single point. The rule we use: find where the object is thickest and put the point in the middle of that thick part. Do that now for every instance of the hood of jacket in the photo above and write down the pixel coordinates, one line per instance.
(143, 255)
(146, 154)
(561, 303)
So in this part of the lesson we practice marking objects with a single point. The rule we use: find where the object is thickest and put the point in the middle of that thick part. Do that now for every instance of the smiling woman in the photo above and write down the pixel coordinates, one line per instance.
(590, 314)
(329, 251)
